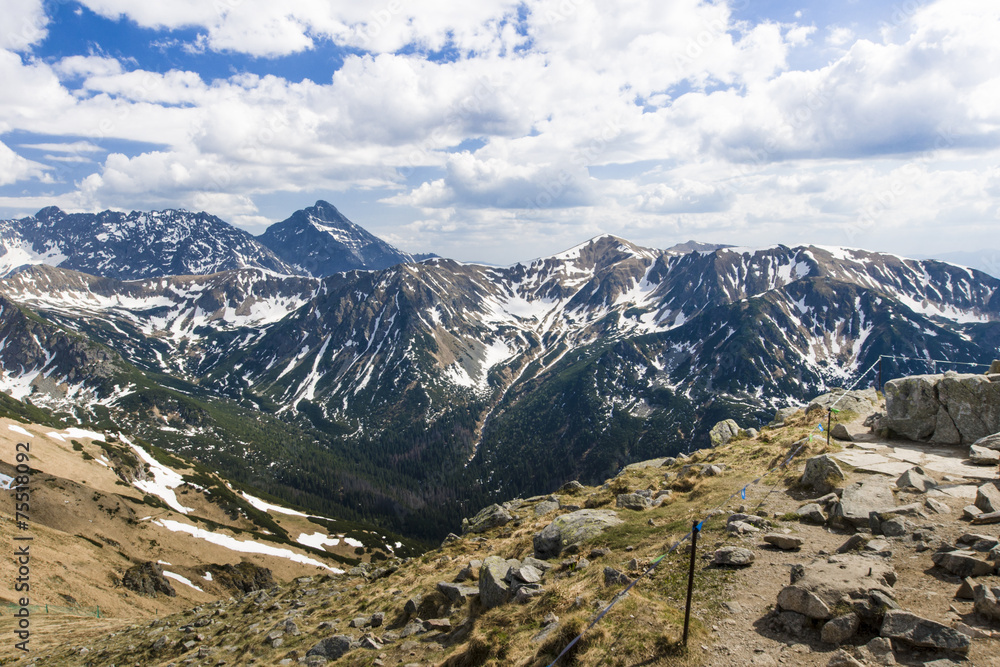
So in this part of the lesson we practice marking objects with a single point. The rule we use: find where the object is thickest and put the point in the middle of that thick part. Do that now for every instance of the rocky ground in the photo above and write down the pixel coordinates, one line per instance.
(798, 572)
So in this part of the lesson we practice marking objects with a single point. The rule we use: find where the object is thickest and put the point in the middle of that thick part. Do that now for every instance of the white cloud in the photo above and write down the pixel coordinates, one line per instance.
(14, 168)
(632, 117)
(25, 24)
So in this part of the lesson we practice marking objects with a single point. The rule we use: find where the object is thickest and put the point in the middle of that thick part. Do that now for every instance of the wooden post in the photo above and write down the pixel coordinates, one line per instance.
(687, 608)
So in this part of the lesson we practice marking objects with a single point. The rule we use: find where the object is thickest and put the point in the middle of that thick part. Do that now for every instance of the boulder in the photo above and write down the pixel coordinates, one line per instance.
(487, 518)
(985, 601)
(841, 628)
(916, 478)
(784, 542)
(880, 650)
(840, 432)
(733, 556)
(546, 506)
(633, 501)
(723, 432)
(493, 587)
(982, 456)
(989, 442)
(860, 401)
(572, 529)
(936, 506)
(962, 563)
(822, 474)
(951, 409)
(823, 585)
(988, 498)
(813, 513)
(862, 498)
(613, 577)
(456, 592)
(925, 633)
(331, 648)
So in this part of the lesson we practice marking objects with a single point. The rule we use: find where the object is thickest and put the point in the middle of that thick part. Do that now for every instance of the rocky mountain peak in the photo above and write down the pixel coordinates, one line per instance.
(321, 241)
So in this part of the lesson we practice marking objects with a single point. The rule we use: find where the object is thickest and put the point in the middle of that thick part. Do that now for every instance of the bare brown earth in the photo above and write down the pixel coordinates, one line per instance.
(730, 619)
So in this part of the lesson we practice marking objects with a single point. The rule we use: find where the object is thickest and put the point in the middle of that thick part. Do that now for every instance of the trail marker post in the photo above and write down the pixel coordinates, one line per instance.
(687, 608)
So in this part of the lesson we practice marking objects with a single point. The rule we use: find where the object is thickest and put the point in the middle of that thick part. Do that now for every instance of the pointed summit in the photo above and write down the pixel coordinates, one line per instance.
(321, 241)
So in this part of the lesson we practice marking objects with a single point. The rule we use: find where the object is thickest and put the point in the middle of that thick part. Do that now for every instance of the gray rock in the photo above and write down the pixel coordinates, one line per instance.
(812, 513)
(528, 591)
(752, 433)
(970, 512)
(981, 456)
(493, 588)
(741, 528)
(822, 474)
(985, 601)
(989, 442)
(358, 622)
(936, 506)
(710, 471)
(916, 478)
(964, 591)
(377, 619)
(613, 577)
(880, 650)
(894, 527)
(572, 529)
(854, 543)
(962, 563)
(862, 498)
(571, 487)
(949, 409)
(860, 401)
(546, 506)
(978, 542)
(540, 565)
(840, 628)
(922, 632)
(493, 516)
(457, 592)
(633, 501)
(791, 623)
(823, 585)
(331, 648)
(988, 497)
(840, 432)
(525, 573)
(733, 556)
(784, 542)
(723, 432)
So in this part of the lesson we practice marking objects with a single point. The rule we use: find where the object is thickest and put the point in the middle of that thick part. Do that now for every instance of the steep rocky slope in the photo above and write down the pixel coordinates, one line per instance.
(457, 605)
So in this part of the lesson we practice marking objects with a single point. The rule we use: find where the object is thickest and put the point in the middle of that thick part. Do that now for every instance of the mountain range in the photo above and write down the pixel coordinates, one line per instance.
(410, 392)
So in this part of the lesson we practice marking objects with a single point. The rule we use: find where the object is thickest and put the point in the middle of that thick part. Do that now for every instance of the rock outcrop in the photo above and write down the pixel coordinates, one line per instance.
(147, 579)
(951, 409)
(572, 529)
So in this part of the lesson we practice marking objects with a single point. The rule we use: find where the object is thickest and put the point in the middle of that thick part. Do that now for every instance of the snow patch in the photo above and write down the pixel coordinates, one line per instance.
(242, 546)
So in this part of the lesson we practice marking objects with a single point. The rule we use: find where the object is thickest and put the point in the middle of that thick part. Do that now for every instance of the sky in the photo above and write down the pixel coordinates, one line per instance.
(499, 131)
